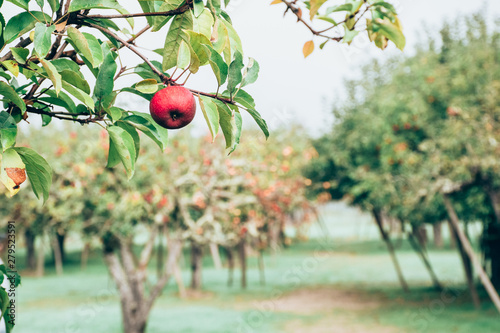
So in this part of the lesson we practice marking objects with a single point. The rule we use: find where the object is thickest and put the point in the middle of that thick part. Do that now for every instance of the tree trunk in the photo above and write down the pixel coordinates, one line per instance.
(40, 258)
(230, 264)
(85, 256)
(60, 242)
(392, 253)
(453, 237)
(493, 239)
(179, 281)
(467, 247)
(437, 230)
(243, 262)
(420, 251)
(421, 234)
(57, 255)
(196, 265)
(160, 252)
(30, 249)
(493, 247)
(261, 268)
(214, 251)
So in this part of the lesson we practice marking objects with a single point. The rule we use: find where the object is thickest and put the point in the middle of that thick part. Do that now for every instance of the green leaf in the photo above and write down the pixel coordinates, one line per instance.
(145, 72)
(10, 95)
(114, 113)
(211, 114)
(61, 99)
(347, 7)
(67, 64)
(8, 130)
(165, 6)
(22, 23)
(42, 39)
(234, 76)
(145, 123)
(234, 42)
(260, 121)
(121, 148)
(75, 79)
(4, 300)
(203, 24)
(219, 67)
(134, 91)
(349, 35)
(81, 45)
(54, 5)
(230, 125)
(198, 7)
(148, 7)
(79, 94)
(53, 74)
(77, 5)
(148, 86)
(20, 3)
(20, 54)
(392, 31)
(104, 82)
(250, 73)
(197, 42)
(174, 38)
(95, 49)
(38, 170)
(12, 66)
(221, 37)
(184, 56)
(243, 98)
(133, 133)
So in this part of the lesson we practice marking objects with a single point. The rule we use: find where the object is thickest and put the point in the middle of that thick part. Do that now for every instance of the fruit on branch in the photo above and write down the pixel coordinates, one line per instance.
(173, 107)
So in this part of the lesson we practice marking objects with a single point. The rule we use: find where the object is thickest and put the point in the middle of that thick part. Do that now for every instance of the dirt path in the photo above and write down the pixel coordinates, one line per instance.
(331, 311)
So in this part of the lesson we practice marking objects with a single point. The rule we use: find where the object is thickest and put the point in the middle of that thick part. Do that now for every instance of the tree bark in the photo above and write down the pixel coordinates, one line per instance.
(243, 262)
(179, 281)
(40, 258)
(437, 230)
(420, 251)
(85, 256)
(421, 234)
(230, 264)
(453, 237)
(390, 247)
(58, 262)
(493, 238)
(214, 251)
(60, 241)
(30, 249)
(261, 268)
(467, 247)
(196, 266)
(160, 253)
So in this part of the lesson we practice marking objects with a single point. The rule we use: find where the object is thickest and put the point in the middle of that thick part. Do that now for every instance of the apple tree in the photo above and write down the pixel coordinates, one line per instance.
(62, 60)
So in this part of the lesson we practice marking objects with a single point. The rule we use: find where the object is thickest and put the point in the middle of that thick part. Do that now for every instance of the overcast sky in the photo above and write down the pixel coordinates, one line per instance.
(291, 88)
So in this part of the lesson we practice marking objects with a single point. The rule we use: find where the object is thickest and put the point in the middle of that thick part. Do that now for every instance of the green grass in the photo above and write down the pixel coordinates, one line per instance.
(87, 301)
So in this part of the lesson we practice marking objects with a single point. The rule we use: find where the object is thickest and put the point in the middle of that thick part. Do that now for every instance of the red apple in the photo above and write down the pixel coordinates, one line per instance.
(173, 107)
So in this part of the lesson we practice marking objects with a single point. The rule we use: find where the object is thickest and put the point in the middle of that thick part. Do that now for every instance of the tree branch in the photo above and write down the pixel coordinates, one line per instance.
(296, 10)
(173, 12)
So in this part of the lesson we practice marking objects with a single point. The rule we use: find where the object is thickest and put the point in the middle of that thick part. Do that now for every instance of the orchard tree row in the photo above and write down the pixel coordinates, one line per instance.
(195, 199)
(418, 142)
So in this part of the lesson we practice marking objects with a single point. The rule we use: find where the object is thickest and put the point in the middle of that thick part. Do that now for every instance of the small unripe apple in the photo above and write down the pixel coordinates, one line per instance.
(173, 107)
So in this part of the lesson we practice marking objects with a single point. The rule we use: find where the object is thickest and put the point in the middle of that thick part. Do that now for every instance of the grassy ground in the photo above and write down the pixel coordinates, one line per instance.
(339, 286)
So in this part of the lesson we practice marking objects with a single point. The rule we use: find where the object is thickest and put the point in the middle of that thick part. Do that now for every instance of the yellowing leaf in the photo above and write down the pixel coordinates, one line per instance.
(13, 171)
(12, 66)
(308, 48)
(275, 2)
(315, 6)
